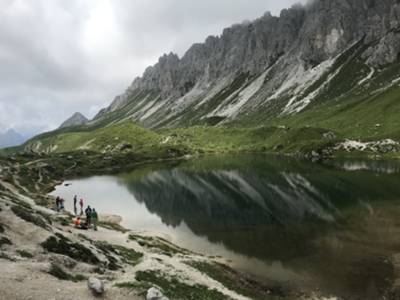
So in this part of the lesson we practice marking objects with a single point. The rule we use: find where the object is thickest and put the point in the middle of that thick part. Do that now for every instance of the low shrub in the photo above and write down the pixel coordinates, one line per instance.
(29, 216)
(63, 246)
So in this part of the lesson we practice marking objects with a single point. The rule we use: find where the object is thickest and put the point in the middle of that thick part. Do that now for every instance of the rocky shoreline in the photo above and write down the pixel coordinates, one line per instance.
(41, 248)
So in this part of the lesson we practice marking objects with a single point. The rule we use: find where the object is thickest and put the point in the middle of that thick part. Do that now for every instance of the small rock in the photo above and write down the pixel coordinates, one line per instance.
(329, 135)
(315, 154)
(155, 294)
(124, 146)
(279, 147)
(108, 148)
(96, 286)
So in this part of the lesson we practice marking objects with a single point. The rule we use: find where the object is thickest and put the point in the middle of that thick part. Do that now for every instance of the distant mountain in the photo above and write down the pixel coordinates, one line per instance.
(11, 138)
(76, 120)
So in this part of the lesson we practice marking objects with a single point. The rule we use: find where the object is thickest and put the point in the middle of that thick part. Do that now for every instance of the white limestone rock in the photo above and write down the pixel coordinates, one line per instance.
(96, 286)
(155, 294)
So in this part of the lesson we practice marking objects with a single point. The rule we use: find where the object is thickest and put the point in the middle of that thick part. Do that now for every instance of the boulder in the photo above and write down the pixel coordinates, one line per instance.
(124, 146)
(96, 286)
(155, 294)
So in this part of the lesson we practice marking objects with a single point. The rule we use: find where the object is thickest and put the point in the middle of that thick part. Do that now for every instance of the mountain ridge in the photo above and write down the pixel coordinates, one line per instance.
(336, 84)
(260, 62)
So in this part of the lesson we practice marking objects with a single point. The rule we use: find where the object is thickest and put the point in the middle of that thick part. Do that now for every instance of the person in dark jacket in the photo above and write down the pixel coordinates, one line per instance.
(88, 212)
(94, 219)
(58, 199)
(75, 205)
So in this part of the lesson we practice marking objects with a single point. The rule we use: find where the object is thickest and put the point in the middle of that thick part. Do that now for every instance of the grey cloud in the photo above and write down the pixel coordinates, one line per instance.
(58, 57)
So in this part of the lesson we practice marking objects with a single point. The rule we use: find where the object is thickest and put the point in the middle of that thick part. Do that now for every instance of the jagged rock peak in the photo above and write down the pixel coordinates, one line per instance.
(75, 120)
(254, 62)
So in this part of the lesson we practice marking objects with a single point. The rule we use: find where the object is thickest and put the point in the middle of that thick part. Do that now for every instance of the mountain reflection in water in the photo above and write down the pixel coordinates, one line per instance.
(336, 229)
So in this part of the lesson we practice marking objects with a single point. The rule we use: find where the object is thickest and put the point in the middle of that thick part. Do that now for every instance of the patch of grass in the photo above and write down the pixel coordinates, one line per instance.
(84, 237)
(21, 203)
(45, 216)
(59, 273)
(108, 251)
(129, 256)
(73, 250)
(6, 256)
(135, 237)
(235, 282)
(112, 226)
(158, 243)
(98, 270)
(64, 221)
(25, 254)
(140, 288)
(130, 285)
(177, 290)
(4, 241)
(105, 247)
(79, 277)
(29, 216)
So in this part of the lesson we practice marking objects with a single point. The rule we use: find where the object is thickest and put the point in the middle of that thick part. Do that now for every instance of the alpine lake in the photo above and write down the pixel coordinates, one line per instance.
(333, 226)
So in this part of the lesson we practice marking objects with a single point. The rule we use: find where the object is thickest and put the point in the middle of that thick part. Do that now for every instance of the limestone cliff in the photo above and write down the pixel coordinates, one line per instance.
(270, 66)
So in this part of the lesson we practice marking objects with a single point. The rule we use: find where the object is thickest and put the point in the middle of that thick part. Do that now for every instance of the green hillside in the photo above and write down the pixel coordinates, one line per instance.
(345, 108)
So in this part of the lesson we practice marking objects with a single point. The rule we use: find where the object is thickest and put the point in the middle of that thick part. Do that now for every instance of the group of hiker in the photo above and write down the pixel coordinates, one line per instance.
(90, 213)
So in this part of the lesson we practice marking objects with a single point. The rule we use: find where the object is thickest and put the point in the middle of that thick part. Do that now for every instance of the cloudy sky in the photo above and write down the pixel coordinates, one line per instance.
(62, 56)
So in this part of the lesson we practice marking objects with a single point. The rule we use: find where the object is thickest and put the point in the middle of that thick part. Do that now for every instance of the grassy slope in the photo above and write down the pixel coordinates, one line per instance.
(364, 116)
(366, 112)
(185, 140)
(352, 117)
(99, 139)
(241, 139)
(350, 110)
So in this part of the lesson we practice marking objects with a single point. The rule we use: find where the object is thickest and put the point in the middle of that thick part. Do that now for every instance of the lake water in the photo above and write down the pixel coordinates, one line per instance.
(334, 227)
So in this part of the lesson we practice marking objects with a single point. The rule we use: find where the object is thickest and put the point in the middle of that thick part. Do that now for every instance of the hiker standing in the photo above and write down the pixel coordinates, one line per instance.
(75, 204)
(58, 203)
(88, 212)
(61, 205)
(81, 205)
(94, 219)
